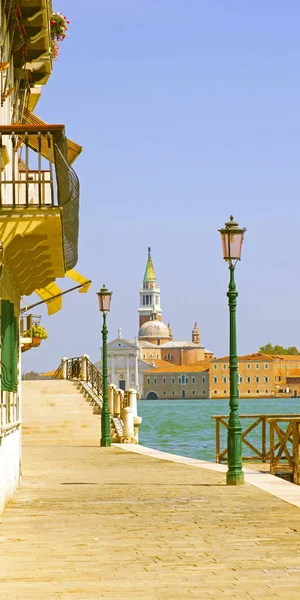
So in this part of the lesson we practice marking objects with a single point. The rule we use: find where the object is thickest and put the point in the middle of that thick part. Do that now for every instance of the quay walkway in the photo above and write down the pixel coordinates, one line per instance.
(120, 522)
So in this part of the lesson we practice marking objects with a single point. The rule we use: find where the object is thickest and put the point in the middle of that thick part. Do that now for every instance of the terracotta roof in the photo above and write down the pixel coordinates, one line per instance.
(179, 368)
(257, 356)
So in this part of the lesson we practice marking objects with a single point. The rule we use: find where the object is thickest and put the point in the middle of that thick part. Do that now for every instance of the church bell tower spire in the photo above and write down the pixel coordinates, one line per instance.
(149, 294)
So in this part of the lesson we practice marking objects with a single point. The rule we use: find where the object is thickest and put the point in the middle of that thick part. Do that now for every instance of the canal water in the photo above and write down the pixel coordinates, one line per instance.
(185, 427)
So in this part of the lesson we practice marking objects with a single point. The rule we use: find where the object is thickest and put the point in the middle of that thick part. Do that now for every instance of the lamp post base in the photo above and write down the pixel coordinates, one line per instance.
(104, 443)
(234, 478)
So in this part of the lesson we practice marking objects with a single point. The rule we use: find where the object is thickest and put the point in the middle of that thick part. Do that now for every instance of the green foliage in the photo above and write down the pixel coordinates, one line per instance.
(37, 332)
(30, 375)
(280, 350)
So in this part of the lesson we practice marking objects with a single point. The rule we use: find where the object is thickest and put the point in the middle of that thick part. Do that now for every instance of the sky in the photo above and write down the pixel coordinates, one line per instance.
(188, 112)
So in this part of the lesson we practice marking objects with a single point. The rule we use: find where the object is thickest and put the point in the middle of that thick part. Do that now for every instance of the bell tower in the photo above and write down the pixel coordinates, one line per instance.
(149, 294)
(196, 334)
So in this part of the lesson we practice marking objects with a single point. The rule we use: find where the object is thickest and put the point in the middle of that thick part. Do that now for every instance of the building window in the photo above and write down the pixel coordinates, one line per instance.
(173, 393)
(193, 379)
(148, 379)
(203, 392)
(224, 379)
(193, 392)
(257, 391)
(173, 379)
(248, 366)
(158, 342)
(279, 378)
(183, 380)
(203, 379)
(164, 380)
(266, 391)
(169, 357)
(143, 300)
(215, 367)
(266, 379)
(215, 391)
(266, 365)
(154, 380)
(164, 393)
(249, 391)
(240, 379)
(257, 366)
(257, 379)
(224, 391)
(248, 379)
(224, 367)
(215, 380)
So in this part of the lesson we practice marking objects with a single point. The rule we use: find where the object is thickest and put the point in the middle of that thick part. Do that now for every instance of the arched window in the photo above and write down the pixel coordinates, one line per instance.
(169, 357)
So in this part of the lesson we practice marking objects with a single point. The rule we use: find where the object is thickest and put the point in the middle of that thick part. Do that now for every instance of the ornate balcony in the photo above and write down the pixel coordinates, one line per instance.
(39, 203)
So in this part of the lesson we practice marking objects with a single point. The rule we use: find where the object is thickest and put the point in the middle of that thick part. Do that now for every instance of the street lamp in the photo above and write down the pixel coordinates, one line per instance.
(104, 298)
(232, 239)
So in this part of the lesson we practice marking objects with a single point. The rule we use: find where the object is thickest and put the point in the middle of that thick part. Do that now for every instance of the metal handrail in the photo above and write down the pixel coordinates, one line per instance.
(76, 370)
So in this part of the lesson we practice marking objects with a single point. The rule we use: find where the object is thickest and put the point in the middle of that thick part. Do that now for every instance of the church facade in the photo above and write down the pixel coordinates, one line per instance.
(128, 360)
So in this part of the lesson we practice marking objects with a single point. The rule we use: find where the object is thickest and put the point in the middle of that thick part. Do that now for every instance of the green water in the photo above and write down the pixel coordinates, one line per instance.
(185, 427)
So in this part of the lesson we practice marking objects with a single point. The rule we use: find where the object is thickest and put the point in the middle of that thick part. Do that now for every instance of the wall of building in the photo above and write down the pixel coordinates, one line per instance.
(177, 385)
(10, 463)
(256, 378)
(182, 356)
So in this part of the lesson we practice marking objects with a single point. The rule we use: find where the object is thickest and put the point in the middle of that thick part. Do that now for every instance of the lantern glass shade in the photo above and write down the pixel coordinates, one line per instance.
(232, 239)
(104, 299)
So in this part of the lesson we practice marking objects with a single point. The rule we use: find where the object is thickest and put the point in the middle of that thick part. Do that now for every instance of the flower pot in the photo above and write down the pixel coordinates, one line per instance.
(36, 342)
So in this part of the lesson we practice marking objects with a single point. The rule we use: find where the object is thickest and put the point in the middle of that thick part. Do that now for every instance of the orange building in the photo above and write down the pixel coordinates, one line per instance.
(259, 375)
(175, 382)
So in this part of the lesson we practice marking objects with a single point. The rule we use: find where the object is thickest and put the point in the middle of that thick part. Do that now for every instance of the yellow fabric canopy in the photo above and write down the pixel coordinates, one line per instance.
(47, 293)
(79, 279)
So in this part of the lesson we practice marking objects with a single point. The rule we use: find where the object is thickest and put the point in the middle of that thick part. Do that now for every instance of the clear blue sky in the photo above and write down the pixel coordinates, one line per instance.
(188, 111)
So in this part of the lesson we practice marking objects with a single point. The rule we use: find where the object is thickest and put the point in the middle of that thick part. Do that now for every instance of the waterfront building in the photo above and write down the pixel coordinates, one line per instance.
(175, 382)
(259, 376)
(39, 204)
(125, 364)
(129, 359)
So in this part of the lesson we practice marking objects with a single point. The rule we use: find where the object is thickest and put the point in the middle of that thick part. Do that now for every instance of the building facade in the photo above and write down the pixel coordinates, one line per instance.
(39, 195)
(174, 382)
(259, 375)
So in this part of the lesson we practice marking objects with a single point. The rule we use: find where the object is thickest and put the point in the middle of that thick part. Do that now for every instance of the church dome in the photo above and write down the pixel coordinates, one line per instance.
(154, 329)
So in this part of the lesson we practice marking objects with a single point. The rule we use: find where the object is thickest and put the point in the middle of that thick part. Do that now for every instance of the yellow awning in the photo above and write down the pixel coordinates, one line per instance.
(79, 279)
(47, 293)
(73, 149)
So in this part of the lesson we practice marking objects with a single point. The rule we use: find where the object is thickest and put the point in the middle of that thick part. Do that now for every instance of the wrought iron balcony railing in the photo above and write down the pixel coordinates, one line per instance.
(35, 174)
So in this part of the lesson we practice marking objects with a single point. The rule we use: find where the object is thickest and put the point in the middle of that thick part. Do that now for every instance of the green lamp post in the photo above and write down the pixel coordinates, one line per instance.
(232, 239)
(104, 298)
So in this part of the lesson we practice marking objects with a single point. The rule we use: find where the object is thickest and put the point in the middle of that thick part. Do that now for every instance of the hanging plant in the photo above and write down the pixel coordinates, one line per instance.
(37, 331)
(58, 32)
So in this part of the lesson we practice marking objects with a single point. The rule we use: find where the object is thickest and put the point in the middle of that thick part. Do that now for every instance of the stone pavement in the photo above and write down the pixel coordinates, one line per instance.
(91, 523)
